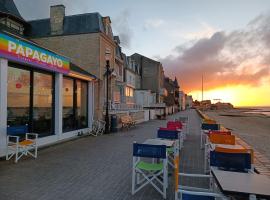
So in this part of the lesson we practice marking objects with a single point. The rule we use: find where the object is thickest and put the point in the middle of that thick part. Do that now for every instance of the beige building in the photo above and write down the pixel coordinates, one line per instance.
(84, 38)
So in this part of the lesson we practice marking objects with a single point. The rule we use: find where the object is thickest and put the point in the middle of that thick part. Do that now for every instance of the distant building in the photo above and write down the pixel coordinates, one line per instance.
(172, 98)
(189, 101)
(152, 75)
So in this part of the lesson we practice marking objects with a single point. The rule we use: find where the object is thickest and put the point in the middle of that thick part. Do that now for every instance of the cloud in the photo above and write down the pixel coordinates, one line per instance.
(153, 23)
(122, 28)
(240, 57)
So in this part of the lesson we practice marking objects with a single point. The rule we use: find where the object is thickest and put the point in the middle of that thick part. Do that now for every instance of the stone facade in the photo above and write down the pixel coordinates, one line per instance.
(87, 51)
(152, 75)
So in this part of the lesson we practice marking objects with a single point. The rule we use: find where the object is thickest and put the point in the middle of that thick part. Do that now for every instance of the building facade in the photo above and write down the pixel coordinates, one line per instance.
(40, 89)
(85, 39)
(152, 75)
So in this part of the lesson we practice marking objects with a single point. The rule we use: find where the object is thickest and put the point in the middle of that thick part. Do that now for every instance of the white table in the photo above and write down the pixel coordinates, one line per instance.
(242, 183)
(157, 141)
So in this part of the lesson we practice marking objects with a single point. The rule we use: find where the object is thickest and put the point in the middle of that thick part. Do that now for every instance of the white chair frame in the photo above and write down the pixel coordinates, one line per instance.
(138, 183)
(17, 149)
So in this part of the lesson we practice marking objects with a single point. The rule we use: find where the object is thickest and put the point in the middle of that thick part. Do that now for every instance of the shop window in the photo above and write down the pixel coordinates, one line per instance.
(18, 97)
(75, 110)
(81, 114)
(43, 103)
(30, 100)
(68, 105)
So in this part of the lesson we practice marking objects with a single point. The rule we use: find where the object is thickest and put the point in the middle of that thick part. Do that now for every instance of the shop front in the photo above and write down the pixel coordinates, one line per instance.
(43, 90)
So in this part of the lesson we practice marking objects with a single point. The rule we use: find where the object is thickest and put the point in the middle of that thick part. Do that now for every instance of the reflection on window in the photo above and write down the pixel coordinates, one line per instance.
(68, 105)
(81, 108)
(42, 103)
(18, 96)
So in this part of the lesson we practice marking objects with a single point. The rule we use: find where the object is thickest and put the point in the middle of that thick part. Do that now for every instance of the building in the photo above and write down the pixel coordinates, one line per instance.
(172, 98)
(84, 38)
(40, 89)
(189, 101)
(152, 75)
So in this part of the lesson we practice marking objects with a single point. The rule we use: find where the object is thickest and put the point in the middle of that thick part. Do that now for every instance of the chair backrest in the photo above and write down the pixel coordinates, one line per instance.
(167, 129)
(17, 130)
(149, 151)
(167, 134)
(206, 126)
(231, 161)
(220, 132)
(176, 124)
(222, 139)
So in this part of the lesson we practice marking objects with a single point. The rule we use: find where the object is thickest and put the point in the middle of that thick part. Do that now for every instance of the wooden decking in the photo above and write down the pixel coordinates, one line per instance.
(94, 168)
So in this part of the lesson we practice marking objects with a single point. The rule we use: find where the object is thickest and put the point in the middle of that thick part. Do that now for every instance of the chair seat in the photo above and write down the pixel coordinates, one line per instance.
(26, 142)
(196, 197)
(149, 166)
(170, 150)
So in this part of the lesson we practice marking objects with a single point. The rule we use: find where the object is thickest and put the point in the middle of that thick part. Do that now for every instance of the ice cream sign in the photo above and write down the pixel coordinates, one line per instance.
(20, 51)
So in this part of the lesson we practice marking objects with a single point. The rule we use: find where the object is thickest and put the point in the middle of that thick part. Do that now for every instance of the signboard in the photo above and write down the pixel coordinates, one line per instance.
(23, 52)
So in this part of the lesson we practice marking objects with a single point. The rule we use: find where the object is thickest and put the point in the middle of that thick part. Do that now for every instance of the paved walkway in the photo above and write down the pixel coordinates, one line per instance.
(93, 168)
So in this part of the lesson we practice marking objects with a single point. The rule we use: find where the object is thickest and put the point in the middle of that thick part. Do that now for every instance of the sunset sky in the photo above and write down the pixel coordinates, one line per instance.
(228, 42)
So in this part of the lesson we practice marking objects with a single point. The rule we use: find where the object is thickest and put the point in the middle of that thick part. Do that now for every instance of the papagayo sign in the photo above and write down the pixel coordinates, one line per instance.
(23, 52)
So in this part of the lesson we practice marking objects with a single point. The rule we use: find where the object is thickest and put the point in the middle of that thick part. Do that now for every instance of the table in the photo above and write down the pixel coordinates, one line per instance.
(242, 183)
(157, 141)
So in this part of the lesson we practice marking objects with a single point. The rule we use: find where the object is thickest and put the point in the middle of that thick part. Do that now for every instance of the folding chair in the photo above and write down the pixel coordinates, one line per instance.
(205, 128)
(220, 132)
(184, 192)
(144, 172)
(239, 162)
(20, 142)
(214, 139)
(172, 151)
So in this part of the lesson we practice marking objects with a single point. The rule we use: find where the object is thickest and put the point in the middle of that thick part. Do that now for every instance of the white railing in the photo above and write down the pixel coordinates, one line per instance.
(123, 106)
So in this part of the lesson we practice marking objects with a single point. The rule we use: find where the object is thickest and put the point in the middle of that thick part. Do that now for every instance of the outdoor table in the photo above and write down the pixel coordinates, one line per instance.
(157, 141)
(237, 183)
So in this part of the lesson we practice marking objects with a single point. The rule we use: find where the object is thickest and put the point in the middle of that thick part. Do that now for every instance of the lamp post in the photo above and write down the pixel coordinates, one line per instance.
(107, 74)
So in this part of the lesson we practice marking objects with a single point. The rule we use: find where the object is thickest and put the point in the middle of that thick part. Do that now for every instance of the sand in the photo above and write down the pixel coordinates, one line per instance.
(254, 129)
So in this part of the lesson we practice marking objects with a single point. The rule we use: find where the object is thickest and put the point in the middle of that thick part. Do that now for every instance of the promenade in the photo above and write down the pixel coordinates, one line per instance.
(94, 168)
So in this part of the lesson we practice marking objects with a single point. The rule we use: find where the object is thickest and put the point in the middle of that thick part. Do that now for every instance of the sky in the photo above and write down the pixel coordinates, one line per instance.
(225, 41)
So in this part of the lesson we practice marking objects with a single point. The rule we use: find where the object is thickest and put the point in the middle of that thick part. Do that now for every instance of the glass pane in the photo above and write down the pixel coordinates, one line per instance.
(81, 116)
(18, 96)
(68, 111)
(42, 103)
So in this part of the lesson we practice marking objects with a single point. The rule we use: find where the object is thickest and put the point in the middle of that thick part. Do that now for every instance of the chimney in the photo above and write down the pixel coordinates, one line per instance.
(57, 15)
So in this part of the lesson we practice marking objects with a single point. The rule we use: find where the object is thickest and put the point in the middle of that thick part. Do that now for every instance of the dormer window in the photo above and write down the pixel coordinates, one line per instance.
(15, 26)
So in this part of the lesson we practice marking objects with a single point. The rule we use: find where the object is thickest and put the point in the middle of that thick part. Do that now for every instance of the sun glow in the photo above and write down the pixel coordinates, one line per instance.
(238, 95)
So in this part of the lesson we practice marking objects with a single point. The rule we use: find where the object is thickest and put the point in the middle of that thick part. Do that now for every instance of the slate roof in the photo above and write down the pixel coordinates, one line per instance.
(8, 7)
(73, 24)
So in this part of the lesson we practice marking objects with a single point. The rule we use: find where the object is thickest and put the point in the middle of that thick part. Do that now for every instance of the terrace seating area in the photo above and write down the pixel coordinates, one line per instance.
(157, 160)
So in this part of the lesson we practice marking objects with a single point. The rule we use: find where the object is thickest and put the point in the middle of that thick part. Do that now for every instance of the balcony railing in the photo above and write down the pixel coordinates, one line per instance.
(123, 106)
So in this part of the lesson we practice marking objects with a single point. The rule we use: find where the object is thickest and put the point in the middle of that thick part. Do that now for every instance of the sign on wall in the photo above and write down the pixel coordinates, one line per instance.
(23, 52)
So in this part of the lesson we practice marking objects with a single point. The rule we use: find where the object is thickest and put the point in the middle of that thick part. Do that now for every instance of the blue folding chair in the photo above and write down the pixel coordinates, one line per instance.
(149, 172)
(240, 162)
(207, 127)
(196, 195)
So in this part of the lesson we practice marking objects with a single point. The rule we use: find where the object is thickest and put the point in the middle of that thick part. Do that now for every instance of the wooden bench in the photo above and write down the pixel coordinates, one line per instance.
(127, 121)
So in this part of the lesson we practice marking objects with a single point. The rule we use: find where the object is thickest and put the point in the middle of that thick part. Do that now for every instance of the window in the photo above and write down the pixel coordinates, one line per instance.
(75, 110)
(81, 117)
(129, 91)
(43, 103)
(18, 97)
(68, 104)
(30, 100)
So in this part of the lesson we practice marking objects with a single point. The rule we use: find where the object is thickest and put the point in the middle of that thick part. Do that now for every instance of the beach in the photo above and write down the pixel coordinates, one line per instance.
(253, 128)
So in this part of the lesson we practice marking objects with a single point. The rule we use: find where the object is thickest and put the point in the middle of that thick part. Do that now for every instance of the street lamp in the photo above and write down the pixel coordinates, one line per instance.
(108, 72)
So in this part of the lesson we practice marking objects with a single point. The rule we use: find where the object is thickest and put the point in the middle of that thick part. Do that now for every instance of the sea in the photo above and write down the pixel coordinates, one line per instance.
(259, 110)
